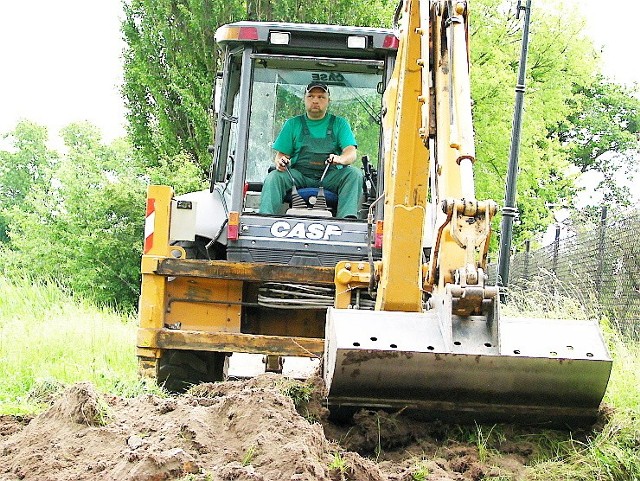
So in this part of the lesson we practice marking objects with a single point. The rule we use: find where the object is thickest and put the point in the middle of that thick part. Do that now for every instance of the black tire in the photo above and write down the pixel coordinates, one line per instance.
(179, 370)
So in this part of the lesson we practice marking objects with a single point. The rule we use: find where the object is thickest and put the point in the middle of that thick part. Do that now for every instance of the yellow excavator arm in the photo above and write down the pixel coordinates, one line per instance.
(428, 134)
(436, 343)
(406, 168)
(428, 103)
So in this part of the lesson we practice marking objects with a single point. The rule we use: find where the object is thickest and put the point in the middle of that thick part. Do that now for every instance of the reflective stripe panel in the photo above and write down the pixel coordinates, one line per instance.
(149, 223)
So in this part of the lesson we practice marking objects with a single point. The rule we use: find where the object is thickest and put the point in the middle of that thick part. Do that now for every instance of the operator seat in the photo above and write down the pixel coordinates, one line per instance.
(309, 194)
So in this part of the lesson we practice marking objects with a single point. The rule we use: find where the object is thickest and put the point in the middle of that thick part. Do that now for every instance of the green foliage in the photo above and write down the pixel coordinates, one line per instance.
(81, 218)
(169, 68)
(560, 56)
(572, 114)
(610, 454)
(23, 169)
(299, 392)
(482, 442)
(604, 117)
(339, 464)
(249, 455)
(624, 386)
(363, 116)
(340, 12)
(420, 472)
(601, 133)
(84, 228)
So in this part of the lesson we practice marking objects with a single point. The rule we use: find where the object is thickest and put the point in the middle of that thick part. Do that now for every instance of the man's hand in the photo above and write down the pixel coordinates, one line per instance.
(347, 157)
(335, 159)
(281, 162)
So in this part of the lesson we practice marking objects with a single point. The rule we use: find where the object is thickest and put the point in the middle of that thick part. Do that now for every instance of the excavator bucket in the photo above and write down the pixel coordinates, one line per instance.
(487, 369)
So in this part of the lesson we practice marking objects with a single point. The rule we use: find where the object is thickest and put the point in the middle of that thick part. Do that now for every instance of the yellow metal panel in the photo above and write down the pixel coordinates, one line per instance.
(145, 338)
(350, 276)
(402, 291)
(149, 264)
(234, 342)
(151, 308)
(204, 304)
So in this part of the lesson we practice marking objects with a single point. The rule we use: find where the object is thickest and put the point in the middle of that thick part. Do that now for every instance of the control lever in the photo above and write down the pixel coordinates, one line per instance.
(321, 201)
(297, 202)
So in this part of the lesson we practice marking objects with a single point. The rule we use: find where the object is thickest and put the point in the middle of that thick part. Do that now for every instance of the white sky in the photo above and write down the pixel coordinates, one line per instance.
(615, 30)
(60, 61)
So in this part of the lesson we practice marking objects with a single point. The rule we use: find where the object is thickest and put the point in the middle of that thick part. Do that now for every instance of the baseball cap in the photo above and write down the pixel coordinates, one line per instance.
(319, 85)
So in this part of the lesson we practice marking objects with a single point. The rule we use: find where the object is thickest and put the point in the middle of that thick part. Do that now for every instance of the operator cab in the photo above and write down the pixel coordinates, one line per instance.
(266, 69)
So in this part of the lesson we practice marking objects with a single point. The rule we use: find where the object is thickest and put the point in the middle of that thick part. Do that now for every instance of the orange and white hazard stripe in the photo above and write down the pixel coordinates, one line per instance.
(149, 224)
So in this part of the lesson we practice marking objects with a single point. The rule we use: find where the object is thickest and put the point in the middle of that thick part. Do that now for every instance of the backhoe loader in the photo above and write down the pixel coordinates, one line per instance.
(395, 303)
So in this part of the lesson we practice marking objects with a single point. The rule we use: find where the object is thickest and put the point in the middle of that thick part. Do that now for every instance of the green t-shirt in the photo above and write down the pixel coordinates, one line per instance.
(289, 139)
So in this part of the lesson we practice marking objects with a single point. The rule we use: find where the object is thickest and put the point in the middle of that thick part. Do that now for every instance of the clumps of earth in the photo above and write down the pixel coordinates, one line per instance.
(269, 428)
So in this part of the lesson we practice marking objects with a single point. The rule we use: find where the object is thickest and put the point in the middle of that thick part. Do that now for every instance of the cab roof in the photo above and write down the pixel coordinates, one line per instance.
(309, 38)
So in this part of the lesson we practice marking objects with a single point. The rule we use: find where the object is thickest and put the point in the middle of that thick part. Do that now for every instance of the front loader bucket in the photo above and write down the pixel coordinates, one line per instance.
(549, 371)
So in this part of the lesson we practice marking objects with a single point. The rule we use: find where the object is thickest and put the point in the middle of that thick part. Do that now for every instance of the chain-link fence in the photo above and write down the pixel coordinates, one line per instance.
(598, 266)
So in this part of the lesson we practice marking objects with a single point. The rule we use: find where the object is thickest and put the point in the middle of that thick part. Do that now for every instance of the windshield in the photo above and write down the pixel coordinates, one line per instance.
(278, 95)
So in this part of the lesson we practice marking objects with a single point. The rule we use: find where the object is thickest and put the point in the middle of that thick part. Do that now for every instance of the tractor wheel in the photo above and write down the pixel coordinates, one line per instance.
(179, 370)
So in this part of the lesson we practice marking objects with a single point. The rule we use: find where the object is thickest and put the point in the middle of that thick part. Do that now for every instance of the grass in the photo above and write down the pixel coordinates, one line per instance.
(481, 440)
(339, 464)
(420, 472)
(49, 339)
(249, 455)
(300, 393)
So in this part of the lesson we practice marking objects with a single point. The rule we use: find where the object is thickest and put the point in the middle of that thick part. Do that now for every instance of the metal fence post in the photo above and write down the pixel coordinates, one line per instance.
(527, 254)
(556, 247)
(603, 229)
(509, 210)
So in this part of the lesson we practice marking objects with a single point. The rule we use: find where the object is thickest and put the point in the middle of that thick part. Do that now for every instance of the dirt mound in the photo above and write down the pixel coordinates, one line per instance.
(237, 430)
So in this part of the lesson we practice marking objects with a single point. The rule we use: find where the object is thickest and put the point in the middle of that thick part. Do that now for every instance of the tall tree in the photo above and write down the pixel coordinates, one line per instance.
(168, 73)
(560, 57)
(601, 133)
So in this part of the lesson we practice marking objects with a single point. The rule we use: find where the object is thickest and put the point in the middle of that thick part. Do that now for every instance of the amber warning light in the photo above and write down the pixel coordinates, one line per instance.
(233, 226)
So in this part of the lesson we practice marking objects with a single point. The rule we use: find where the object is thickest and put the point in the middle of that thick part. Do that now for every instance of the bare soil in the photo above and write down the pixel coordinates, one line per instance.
(239, 430)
